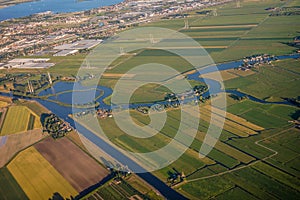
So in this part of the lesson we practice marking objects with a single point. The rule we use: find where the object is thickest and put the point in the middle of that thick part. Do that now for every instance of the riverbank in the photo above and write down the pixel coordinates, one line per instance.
(7, 3)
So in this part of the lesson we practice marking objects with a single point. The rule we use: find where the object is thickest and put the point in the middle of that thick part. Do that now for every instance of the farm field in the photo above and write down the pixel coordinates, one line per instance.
(116, 189)
(19, 119)
(242, 32)
(264, 183)
(17, 142)
(236, 193)
(3, 104)
(286, 144)
(34, 106)
(134, 144)
(256, 156)
(10, 189)
(266, 116)
(222, 153)
(70, 161)
(31, 168)
(230, 74)
(271, 82)
(206, 188)
(291, 65)
(245, 31)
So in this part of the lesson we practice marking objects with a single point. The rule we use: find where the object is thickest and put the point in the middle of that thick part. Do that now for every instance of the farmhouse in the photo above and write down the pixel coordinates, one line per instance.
(102, 113)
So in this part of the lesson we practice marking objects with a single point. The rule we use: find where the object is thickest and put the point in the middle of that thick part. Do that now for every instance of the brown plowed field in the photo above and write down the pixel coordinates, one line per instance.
(15, 143)
(78, 168)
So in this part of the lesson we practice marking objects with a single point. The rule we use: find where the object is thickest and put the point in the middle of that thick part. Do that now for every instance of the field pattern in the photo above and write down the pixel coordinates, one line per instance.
(70, 161)
(19, 119)
(15, 143)
(10, 189)
(37, 177)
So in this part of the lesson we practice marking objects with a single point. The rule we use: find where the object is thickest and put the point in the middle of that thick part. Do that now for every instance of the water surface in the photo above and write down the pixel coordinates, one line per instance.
(56, 6)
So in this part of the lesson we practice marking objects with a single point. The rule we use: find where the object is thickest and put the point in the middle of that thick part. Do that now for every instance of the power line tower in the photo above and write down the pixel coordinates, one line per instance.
(30, 87)
(49, 78)
(238, 3)
(151, 39)
(215, 12)
(186, 24)
(122, 52)
(87, 64)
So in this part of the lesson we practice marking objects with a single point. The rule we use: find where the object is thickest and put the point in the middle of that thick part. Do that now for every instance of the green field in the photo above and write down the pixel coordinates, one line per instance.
(279, 175)
(265, 115)
(249, 30)
(257, 154)
(236, 193)
(271, 82)
(228, 156)
(67, 65)
(10, 189)
(206, 189)
(30, 125)
(286, 144)
(266, 183)
(232, 35)
(117, 189)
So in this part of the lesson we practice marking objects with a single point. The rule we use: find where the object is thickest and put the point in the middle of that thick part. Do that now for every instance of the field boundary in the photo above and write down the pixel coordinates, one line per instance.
(242, 167)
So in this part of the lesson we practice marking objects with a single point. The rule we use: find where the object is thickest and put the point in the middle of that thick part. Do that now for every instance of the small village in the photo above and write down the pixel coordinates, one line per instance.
(100, 113)
(175, 100)
(255, 60)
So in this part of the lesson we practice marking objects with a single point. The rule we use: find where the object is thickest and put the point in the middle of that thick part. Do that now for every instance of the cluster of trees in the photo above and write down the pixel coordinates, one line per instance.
(238, 97)
(20, 83)
(55, 126)
(295, 101)
(286, 11)
(175, 177)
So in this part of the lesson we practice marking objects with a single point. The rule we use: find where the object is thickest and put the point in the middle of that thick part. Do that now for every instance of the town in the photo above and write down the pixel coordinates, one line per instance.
(38, 34)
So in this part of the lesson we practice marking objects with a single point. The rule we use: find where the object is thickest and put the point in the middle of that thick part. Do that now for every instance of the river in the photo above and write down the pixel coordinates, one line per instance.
(56, 6)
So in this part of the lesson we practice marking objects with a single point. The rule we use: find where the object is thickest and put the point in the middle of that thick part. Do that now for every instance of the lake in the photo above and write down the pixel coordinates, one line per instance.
(56, 6)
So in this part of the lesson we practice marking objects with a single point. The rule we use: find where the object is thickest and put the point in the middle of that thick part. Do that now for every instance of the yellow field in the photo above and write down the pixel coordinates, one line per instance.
(241, 72)
(237, 128)
(226, 75)
(236, 119)
(3, 104)
(229, 122)
(16, 120)
(228, 125)
(5, 99)
(37, 177)
(37, 122)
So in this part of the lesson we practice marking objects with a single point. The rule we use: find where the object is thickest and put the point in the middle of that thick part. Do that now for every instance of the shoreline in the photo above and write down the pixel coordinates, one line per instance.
(55, 12)
(5, 5)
